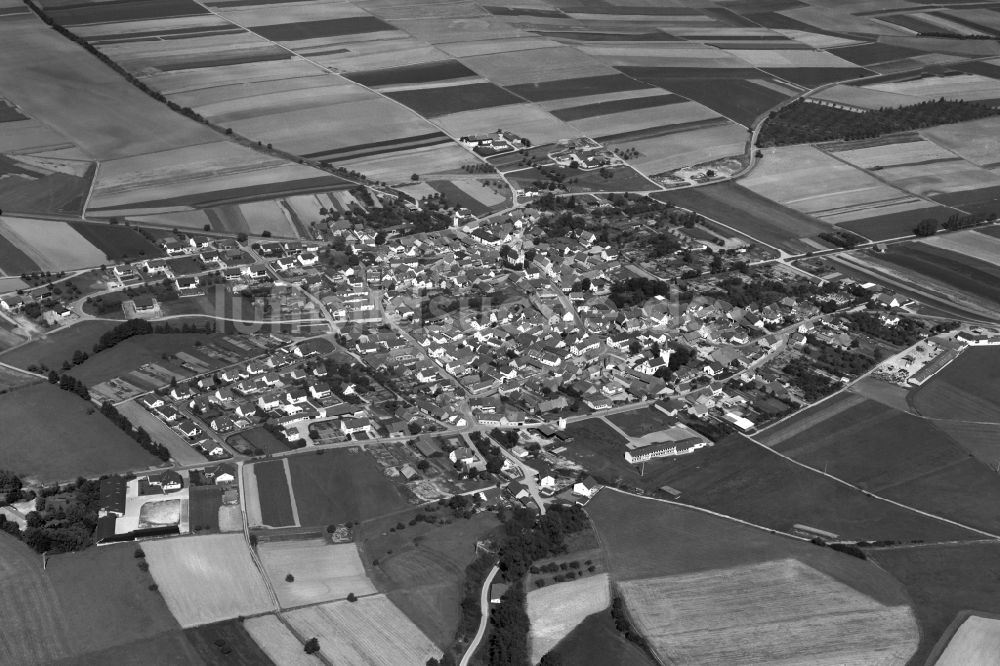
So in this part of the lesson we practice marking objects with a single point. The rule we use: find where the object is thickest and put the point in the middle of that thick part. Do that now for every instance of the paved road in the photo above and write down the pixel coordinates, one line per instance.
(484, 607)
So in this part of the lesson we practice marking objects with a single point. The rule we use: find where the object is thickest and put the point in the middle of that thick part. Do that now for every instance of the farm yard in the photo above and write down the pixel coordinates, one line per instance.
(555, 610)
(208, 578)
(369, 631)
(53, 435)
(72, 603)
(321, 571)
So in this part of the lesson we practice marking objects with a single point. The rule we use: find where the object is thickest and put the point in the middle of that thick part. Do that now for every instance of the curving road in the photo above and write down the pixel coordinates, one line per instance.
(484, 607)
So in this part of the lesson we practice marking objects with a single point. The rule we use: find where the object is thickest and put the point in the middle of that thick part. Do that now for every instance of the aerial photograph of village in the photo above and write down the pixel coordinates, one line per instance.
(500, 332)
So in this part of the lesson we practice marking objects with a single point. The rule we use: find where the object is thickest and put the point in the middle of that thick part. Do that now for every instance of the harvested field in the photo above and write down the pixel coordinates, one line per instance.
(369, 631)
(943, 581)
(397, 167)
(337, 486)
(237, 646)
(748, 212)
(774, 612)
(979, 246)
(597, 640)
(72, 603)
(977, 141)
(555, 610)
(53, 246)
(976, 643)
(275, 495)
(278, 642)
(422, 567)
(208, 578)
(77, 443)
(322, 572)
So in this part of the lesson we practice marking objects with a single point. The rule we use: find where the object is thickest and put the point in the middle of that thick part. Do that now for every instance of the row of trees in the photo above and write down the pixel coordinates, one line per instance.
(808, 122)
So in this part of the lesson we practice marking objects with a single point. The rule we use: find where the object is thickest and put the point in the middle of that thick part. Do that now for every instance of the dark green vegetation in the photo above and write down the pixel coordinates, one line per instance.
(896, 455)
(596, 640)
(806, 122)
(644, 538)
(455, 196)
(639, 422)
(432, 102)
(811, 77)
(52, 435)
(867, 54)
(739, 208)
(352, 25)
(972, 276)
(118, 242)
(28, 189)
(982, 201)
(66, 613)
(125, 11)
(260, 439)
(967, 389)
(203, 508)
(56, 347)
(579, 87)
(337, 486)
(13, 260)
(572, 113)
(893, 225)
(419, 73)
(942, 581)
(225, 643)
(422, 567)
(275, 498)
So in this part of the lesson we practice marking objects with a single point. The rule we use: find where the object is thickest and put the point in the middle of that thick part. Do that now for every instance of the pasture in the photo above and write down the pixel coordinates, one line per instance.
(208, 578)
(72, 603)
(137, 351)
(10, 378)
(943, 581)
(53, 435)
(58, 346)
(337, 486)
(976, 642)
(422, 567)
(555, 610)
(322, 572)
(369, 631)
(278, 642)
(117, 242)
(773, 612)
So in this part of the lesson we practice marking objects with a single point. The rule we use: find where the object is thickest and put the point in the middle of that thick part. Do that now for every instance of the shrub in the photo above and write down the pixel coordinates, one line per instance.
(312, 646)
(352, 597)
(138, 553)
(154, 587)
(289, 578)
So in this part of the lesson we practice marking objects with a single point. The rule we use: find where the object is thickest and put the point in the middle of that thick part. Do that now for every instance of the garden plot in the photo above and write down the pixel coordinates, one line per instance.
(322, 572)
(555, 610)
(779, 611)
(54, 246)
(370, 632)
(976, 643)
(208, 579)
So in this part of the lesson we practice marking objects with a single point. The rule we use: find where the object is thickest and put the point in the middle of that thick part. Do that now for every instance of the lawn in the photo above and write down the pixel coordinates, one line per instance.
(943, 581)
(967, 389)
(64, 612)
(57, 347)
(597, 641)
(203, 508)
(237, 646)
(639, 422)
(337, 486)
(422, 567)
(275, 498)
(53, 435)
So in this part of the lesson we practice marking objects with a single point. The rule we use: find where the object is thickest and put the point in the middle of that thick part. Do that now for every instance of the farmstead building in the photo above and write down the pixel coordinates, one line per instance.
(664, 450)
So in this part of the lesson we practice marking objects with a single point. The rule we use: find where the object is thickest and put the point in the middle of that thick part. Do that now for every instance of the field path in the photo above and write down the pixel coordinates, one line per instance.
(484, 607)
(291, 492)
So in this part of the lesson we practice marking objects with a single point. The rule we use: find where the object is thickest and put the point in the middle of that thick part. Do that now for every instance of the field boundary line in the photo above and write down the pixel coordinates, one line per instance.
(291, 492)
(294, 632)
(90, 190)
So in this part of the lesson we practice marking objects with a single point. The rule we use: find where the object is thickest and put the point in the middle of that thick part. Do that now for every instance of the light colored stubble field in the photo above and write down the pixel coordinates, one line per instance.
(207, 579)
(978, 141)
(674, 151)
(969, 243)
(368, 632)
(775, 612)
(976, 643)
(555, 610)
(322, 572)
(54, 246)
(278, 642)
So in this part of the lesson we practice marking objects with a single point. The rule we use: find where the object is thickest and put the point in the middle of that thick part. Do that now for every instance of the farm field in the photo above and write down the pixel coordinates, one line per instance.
(238, 646)
(204, 503)
(117, 242)
(10, 378)
(77, 443)
(13, 260)
(208, 578)
(278, 642)
(50, 351)
(976, 141)
(31, 184)
(322, 572)
(965, 390)
(597, 640)
(777, 611)
(750, 213)
(337, 486)
(943, 581)
(977, 641)
(424, 572)
(555, 610)
(275, 496)
(52, 246)
(134, 352)
(369, 631)
(73, 601)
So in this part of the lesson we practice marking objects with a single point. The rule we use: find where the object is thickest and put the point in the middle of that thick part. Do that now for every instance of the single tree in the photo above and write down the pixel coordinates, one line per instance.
(312, 646)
